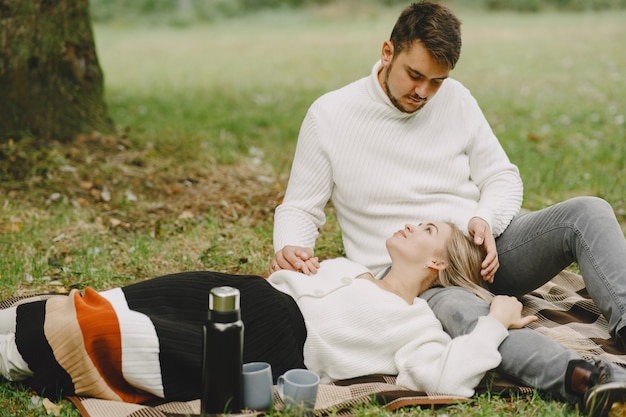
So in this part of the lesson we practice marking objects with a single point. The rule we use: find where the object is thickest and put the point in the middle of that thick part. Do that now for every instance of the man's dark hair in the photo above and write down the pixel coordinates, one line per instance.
(435, 26)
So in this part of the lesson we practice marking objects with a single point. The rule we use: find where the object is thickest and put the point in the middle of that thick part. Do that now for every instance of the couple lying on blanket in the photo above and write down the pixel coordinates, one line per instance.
(144, 340)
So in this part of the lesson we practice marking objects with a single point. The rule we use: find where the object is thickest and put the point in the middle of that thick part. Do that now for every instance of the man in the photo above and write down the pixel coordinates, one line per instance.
(408, 144)
(387, 158)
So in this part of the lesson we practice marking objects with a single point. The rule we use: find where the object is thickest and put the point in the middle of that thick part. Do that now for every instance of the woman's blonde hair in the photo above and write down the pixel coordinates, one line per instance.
(464, 260)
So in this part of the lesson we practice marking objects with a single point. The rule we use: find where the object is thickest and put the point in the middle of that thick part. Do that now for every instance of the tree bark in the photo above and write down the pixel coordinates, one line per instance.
(51, 84)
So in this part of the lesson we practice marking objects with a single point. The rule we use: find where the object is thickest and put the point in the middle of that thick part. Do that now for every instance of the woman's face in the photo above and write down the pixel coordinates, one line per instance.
(419, 244)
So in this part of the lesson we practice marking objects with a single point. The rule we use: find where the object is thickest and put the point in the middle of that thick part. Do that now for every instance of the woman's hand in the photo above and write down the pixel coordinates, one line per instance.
(508, 311)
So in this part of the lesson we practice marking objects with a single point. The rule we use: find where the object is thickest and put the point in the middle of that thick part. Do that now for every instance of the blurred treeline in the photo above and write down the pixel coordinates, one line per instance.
(209, 10)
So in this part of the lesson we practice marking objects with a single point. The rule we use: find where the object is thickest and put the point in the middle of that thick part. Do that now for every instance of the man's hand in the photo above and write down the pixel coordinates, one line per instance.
(480, 231)
(295, 258)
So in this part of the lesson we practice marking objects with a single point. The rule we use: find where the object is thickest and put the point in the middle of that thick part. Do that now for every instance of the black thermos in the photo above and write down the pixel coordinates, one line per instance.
(223, 353)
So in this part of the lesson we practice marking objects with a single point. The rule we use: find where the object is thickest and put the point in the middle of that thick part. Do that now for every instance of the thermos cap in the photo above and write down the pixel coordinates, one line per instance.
(224, 299)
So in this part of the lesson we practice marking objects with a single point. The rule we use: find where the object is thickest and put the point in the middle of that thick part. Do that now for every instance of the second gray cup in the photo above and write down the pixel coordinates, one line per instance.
(298, 388)
(258, 389)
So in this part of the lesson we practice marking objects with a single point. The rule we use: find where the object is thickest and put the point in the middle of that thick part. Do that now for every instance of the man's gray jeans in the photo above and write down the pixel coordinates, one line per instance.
(534, 248)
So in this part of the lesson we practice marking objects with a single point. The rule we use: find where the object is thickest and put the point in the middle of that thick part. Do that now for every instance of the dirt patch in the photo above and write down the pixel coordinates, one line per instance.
(105, 189)
(132, 188)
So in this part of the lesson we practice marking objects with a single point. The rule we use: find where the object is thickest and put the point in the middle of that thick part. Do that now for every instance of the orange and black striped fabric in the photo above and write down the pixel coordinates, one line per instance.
(144, 341)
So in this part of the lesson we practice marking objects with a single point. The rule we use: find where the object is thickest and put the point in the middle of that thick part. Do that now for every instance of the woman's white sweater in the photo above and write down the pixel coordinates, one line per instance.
(355, 328)
(383, 168)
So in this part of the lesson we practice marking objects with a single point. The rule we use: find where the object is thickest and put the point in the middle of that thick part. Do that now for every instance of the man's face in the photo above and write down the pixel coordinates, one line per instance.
(411, 78)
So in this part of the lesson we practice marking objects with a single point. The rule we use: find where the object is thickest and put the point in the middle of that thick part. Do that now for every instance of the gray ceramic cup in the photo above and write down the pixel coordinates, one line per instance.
(258, 388)
(298, 389)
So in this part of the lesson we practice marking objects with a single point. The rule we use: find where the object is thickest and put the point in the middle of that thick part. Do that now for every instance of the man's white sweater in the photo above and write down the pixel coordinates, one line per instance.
(355, 328)
(383, 168)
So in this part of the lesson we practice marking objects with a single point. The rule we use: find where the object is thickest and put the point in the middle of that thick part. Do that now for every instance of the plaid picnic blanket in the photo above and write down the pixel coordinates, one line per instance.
(338, 399)
(566, 314)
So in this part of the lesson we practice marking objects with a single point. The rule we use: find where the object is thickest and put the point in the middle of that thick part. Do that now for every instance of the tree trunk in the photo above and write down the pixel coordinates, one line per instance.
(51, 84)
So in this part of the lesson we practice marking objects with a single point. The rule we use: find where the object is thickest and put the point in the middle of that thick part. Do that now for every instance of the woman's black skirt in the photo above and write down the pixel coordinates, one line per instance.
(274, 329)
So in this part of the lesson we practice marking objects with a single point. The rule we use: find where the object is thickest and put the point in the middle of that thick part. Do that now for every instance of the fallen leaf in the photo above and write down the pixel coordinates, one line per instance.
(186, 215)
(15, 225)
(114, 222)
(51, 407)
(59, 289)
(175, 189)
(130, 196)
(67, 168)
(533, 137)
(105, 194)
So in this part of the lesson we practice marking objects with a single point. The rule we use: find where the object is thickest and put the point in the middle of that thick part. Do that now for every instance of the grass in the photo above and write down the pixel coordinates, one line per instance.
(208, 117)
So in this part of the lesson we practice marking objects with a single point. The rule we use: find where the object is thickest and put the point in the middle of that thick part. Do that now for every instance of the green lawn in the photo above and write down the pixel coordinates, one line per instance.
(552, 85)
(208, 117)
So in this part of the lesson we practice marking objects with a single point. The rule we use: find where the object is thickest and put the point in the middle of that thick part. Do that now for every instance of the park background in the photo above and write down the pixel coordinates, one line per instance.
(207, 97)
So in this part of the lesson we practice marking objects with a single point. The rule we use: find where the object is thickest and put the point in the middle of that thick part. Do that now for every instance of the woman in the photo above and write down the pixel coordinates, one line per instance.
(144, 340)
(354, 328)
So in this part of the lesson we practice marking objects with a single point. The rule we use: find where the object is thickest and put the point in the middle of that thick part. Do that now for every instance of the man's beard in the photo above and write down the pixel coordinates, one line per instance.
(394, 100)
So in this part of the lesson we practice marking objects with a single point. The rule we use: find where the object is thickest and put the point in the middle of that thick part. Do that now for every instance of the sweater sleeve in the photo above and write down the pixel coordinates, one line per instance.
(454, 367)
(499, 181)
(298, 218)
